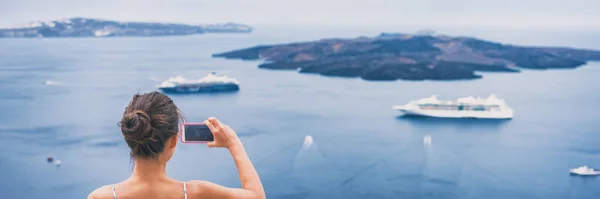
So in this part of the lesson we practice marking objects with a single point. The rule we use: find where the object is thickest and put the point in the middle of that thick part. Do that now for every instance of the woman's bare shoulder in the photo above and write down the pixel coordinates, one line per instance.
(104, 192)
(204, 189)
(209, 190)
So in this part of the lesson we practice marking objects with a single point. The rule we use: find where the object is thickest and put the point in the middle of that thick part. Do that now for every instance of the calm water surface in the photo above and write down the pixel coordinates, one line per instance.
(361, 148)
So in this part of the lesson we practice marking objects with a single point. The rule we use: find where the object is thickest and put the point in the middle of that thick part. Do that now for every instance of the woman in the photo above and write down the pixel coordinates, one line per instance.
(150, 126)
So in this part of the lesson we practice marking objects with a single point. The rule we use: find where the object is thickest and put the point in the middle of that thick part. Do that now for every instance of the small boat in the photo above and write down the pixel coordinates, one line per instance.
(207, 84)
(466, 107)
(584, 171)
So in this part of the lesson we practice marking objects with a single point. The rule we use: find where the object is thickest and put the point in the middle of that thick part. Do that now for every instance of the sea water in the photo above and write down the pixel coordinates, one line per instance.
(63, 98)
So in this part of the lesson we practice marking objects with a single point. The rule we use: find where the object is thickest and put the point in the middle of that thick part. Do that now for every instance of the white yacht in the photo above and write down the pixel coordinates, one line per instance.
(466, 107)
(208, 83)
(584, 171)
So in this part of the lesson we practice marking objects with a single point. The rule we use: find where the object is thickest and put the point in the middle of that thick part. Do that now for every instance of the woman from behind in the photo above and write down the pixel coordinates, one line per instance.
(150, 126)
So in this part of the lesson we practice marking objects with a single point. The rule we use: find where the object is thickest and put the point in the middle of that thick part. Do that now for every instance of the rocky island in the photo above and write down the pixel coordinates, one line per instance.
(86, 27)
(393, 56)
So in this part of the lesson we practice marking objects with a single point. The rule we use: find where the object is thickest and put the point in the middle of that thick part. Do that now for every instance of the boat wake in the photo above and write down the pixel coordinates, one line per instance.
(154, 79)
(427, 141)
(50, 82)
(308, 141)
(310, 158)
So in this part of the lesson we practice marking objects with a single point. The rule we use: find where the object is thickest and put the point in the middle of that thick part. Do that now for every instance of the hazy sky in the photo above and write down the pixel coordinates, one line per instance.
(505, 13)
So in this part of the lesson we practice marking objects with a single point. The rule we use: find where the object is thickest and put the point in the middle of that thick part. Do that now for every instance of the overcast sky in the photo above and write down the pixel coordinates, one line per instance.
(504, 13)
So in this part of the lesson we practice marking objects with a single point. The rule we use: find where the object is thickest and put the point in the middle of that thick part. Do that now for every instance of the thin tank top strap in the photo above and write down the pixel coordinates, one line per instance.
(113, 191)
(184, 191)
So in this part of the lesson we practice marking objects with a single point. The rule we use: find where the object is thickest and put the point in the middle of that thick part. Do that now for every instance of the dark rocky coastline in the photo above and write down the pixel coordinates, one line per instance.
(410, 57)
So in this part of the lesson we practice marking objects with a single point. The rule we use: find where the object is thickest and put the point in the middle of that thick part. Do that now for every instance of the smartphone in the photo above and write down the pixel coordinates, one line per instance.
(196, 133)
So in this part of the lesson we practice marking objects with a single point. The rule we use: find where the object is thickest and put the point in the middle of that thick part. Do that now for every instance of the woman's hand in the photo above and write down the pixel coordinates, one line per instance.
(252, 188)
(224, 136)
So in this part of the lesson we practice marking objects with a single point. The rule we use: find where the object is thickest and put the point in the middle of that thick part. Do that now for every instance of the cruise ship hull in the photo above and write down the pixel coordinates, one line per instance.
(454, 114)
(201, 88)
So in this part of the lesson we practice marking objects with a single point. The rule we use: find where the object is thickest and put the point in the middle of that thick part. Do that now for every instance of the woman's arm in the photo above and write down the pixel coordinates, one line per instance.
(248, 176)
(251, 186)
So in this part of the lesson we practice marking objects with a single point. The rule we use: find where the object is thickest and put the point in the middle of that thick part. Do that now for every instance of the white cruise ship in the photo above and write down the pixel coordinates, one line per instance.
(466, 107)
(209, 83)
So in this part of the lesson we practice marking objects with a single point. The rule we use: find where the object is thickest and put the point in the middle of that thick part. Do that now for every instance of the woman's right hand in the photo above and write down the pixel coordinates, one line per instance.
(224, 136)
(252, 187)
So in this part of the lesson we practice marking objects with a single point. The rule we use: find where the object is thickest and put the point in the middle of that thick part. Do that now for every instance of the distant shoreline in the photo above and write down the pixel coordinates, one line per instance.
(88, 27)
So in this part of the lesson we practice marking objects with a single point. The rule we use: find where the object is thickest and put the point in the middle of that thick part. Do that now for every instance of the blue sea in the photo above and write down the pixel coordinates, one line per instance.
(63, 98)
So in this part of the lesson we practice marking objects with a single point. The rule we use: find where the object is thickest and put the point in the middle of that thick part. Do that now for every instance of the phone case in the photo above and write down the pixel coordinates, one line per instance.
(181, 129)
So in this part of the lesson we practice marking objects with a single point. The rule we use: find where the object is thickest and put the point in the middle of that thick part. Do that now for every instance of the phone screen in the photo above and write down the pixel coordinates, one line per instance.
(197, 133)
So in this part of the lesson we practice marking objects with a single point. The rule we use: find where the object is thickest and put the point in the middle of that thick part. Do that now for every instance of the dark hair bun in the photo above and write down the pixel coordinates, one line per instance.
(137, 127)
(148, 122)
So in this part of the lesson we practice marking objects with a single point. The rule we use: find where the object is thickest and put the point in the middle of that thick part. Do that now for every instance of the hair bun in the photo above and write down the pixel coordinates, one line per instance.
(137, 127)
